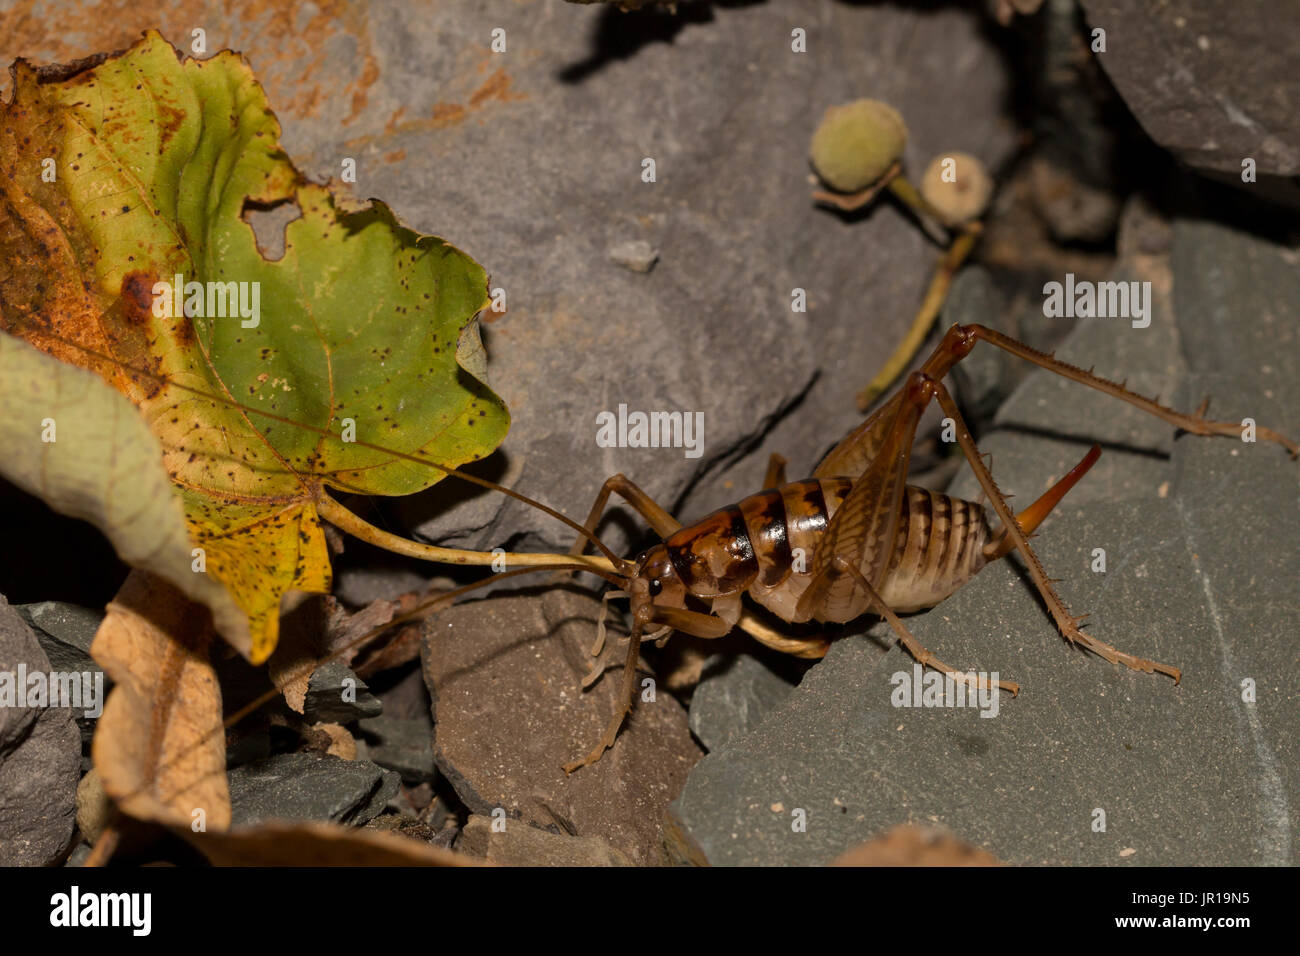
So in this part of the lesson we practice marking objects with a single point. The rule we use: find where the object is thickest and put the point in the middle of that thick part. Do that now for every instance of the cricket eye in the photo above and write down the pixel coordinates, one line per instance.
(656, 587)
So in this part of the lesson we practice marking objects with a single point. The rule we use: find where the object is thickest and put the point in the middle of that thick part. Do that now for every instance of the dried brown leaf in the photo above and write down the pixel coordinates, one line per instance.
(316, 843)
(907, 845)
(160, 749)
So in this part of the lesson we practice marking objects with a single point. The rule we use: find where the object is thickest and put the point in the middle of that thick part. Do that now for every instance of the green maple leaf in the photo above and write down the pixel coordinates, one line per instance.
(364, 328)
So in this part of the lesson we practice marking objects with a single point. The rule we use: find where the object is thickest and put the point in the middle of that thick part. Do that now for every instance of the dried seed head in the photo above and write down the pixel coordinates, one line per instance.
(856, 144)
(957, 185)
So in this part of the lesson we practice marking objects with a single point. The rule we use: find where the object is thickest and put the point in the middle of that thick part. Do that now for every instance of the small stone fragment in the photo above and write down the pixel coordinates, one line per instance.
(309, 786)
(401, 744)
(635, 254)
(336, 695)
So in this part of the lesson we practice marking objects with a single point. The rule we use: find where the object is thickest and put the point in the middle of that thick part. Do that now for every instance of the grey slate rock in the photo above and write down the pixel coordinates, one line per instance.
(1207, 81)
(506, 166)
(65, 633)
(401, 744)
(734, 700)
(1239, 300)
(1164, 762)
(309, 786)
(1202, 579)
(325, 702)
(40, 760)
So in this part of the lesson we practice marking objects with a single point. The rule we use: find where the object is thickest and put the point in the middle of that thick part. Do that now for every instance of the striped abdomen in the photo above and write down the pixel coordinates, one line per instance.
(766, 543)
(938, 548)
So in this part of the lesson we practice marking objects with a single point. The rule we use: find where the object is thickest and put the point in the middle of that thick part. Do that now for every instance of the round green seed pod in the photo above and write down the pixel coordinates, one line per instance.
(958, 186)
(856, 144)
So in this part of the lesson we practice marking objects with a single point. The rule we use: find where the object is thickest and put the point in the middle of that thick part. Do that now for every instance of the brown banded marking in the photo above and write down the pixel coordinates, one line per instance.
(752, 546)
(938, 548)
(754, 541)
(714, 557)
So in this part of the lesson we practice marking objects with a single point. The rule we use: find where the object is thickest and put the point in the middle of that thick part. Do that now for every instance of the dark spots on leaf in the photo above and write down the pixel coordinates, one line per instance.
(126, 209)
(137, 296)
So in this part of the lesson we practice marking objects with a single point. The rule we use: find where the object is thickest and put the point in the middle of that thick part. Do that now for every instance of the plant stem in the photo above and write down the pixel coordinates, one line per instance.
(926, 315)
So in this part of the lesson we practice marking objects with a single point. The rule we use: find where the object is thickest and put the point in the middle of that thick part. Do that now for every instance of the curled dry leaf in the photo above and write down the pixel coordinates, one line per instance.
(907, 845)
(160, 748)
(82, 448)
(316, 843)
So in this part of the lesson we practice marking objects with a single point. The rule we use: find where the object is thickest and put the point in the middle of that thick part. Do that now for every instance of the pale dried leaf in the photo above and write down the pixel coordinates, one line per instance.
(104, 466)
(160, 747)
(316, 843)
(907, 845)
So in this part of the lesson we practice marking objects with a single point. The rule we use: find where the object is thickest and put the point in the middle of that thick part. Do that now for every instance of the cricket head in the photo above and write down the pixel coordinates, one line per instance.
(654, 583)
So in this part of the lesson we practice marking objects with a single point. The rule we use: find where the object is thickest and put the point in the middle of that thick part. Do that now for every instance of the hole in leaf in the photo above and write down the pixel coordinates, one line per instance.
(268, 222)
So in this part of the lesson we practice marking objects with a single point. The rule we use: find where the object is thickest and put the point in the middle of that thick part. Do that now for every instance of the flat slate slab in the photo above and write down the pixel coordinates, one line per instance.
(1202, 578)
(509, 710)
(309, 786)
(40, 755)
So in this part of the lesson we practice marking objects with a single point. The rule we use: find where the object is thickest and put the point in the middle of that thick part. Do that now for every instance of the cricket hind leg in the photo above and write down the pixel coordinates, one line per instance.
(1196, 423)
(905, 637)
(808, 648)
(1065, 622)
